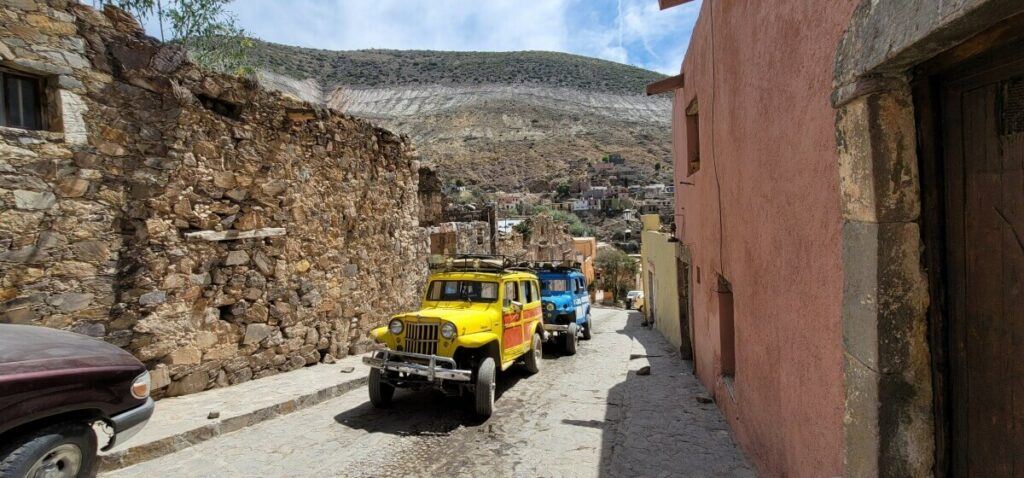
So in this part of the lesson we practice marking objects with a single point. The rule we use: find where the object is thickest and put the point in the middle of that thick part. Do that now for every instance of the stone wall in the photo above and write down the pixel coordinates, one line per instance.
(548, 240)
(460, 238)
(146, 149)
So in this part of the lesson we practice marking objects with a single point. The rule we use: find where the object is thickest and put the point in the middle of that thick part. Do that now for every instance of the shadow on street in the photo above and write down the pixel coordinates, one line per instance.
(654, 424)
(426, 412)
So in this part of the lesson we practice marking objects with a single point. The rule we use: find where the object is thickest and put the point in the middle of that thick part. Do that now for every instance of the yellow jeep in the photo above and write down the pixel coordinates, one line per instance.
(478, 314)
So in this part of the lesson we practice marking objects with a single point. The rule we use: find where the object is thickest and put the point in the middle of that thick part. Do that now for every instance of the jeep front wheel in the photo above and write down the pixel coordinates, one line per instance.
(572, 339)
(484, 389)
(381, 392)
(533, 357)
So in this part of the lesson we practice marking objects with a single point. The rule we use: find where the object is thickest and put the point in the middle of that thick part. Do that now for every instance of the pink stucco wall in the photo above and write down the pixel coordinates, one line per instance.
(762, 72)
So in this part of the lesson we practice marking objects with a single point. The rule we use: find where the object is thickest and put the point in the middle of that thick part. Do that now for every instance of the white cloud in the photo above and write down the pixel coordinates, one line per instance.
(625, 31)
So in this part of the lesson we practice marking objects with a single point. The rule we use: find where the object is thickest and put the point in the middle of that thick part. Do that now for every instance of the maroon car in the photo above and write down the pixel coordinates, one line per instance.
(56, 389)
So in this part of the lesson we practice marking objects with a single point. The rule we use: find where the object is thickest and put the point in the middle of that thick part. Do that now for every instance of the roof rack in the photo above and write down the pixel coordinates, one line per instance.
(471, 262)
(556, 266)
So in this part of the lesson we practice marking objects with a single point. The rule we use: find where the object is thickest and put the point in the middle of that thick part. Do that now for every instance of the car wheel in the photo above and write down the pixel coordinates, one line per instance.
(586, 329)
(381, 392)
(533, 357)
(66, 450)
(572, 339)
(484, 389)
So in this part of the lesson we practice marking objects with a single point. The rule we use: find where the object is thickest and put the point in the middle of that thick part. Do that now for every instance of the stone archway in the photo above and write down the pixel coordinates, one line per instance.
(889, 421)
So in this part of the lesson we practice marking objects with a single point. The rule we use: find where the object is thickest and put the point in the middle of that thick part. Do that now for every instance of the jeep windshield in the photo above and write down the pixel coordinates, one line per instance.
(553, 286)
(463, 291)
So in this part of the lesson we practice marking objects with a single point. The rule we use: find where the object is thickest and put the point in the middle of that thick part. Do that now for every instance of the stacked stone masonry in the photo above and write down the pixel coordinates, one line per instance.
(547, 240)
(142, 148)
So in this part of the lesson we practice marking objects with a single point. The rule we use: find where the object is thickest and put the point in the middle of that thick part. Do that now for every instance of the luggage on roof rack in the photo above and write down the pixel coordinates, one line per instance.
(556, 266)
(471, 262)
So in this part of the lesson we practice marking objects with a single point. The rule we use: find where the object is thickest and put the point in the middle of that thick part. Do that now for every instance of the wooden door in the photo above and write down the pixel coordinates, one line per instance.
(683, 286)
(983, 143)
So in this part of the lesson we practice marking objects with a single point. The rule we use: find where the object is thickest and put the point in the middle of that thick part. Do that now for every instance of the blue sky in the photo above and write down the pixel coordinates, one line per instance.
(626, 31)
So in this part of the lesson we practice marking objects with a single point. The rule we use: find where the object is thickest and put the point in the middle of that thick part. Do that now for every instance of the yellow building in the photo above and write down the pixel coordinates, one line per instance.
(586, 251)
(665, 274)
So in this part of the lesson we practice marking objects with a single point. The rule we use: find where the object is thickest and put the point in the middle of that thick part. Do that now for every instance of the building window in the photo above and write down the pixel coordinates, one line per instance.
(692, 138)
(21, 104)
(726, 327)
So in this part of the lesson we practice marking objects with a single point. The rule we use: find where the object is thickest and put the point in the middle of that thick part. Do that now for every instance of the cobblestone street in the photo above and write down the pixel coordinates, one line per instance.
(585, 415)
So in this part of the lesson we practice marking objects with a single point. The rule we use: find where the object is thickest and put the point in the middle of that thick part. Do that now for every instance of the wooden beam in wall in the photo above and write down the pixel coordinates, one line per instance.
(666, 85)
(671, 3)
(233, 235)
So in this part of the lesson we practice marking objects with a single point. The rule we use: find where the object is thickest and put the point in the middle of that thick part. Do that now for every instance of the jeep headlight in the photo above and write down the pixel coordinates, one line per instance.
(395, 327)
(448, 330)
(550, 306)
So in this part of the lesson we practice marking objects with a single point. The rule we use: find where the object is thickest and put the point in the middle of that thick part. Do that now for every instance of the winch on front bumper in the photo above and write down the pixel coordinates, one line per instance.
(411, 363)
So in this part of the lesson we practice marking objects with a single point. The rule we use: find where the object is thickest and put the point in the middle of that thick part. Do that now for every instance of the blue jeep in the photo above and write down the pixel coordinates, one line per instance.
(566, 303)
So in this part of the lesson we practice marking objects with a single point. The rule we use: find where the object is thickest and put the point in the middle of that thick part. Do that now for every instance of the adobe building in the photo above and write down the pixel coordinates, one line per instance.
(585, 249)
(850, 206)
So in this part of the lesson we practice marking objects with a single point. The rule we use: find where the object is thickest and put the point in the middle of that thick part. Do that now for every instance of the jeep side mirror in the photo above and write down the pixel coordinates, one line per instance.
(518, 306)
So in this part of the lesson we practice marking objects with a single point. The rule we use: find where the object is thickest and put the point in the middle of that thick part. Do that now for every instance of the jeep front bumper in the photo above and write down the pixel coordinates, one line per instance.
(556, 327)
(431, 370)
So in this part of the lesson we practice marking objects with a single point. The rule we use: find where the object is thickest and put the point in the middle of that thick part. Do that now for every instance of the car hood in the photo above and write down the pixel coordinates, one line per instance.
(451, 313)
(27, 348)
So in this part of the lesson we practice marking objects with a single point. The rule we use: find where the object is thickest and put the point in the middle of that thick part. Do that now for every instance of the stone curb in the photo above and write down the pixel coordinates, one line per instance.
(181, 441)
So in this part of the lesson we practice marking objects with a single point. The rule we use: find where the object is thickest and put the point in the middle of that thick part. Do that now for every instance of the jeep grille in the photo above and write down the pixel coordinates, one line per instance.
(421, 338)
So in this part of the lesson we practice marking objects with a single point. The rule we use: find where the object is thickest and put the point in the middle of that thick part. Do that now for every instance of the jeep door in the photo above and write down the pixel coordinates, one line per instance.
(581, 299)
(512, 307)
(533, 309)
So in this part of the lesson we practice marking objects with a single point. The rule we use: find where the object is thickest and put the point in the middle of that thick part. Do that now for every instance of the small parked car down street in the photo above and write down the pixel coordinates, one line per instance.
(56, 389)
(563, 290)
(635, 300)
(479, 315)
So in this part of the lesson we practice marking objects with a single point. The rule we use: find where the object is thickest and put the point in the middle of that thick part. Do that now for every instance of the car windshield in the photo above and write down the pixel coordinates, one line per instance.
(464, 290)
(553, 286)
(633, 293)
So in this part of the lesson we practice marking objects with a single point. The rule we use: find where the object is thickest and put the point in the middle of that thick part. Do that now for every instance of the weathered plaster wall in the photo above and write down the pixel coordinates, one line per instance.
(94, 215)
(763, 211)
(661, 296)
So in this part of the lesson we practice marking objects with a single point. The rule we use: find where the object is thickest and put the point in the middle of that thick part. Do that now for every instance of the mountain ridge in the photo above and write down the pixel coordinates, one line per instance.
(502, 121)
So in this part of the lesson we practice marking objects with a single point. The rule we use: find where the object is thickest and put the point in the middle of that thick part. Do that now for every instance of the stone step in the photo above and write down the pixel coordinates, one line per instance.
(181, 422)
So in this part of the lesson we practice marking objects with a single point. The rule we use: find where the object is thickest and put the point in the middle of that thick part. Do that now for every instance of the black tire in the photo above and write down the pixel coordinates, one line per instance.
(586, 329)
(484, 390)
(572, 339)
(533, 356)
(64, 445)
(381, 392)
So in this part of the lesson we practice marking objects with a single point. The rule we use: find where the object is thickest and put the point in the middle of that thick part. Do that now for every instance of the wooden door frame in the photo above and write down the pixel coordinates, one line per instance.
(936, 85)
(892, 416)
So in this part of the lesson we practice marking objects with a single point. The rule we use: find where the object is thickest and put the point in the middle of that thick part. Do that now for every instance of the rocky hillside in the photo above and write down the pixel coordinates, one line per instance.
(501, 120)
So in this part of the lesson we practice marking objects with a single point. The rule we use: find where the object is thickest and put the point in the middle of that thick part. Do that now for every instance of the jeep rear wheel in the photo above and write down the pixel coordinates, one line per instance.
(586, 329)
(66, 450)
(572, 339)
(484, 390)
(381, 392)
(533, 356)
